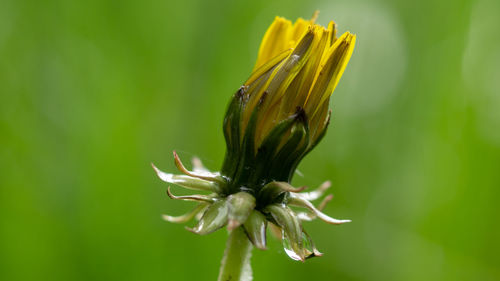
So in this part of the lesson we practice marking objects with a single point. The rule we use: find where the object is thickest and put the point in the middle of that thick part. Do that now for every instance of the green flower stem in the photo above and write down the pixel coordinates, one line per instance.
(236, 261)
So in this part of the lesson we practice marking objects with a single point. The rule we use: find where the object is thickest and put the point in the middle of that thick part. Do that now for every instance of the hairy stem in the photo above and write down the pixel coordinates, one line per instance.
(235, 264)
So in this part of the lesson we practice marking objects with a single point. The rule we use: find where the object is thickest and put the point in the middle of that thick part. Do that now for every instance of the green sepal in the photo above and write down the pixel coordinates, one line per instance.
(270, 193)
(255, 227)
(231, 128)
(241, 170)
(292, 229)
(248, 145)
(282, 162)
(186, 217)
(320, 136)
(310, 249)
(267, 150)
(194, 183)
(276, 192)
(271, 142)
(187, 181)
(240, 206)
(215, 217)
(273, 167)
(287, 171)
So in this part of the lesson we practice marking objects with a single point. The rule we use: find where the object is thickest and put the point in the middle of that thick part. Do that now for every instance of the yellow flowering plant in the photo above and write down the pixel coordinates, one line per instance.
(276, 118)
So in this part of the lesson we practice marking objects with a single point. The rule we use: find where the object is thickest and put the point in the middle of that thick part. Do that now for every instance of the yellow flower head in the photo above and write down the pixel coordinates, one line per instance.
(301, 64)
(297, 69)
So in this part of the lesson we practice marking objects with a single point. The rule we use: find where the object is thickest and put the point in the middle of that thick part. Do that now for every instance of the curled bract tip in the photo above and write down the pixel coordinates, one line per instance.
(199, 198)
(201, 175)
(186, 217)
(300, 202)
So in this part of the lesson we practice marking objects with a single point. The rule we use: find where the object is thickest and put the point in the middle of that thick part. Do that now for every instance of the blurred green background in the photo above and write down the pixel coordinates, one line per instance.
(92, 92)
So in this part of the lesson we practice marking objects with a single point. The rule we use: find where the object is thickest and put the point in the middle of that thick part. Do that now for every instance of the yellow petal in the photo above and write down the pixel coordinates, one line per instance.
(297, 91)
(267, 65)
(281, 80)
(275, 41)
(299, 28)
(258, 86)
(332, 28)
(331, 69)
(291, 66)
